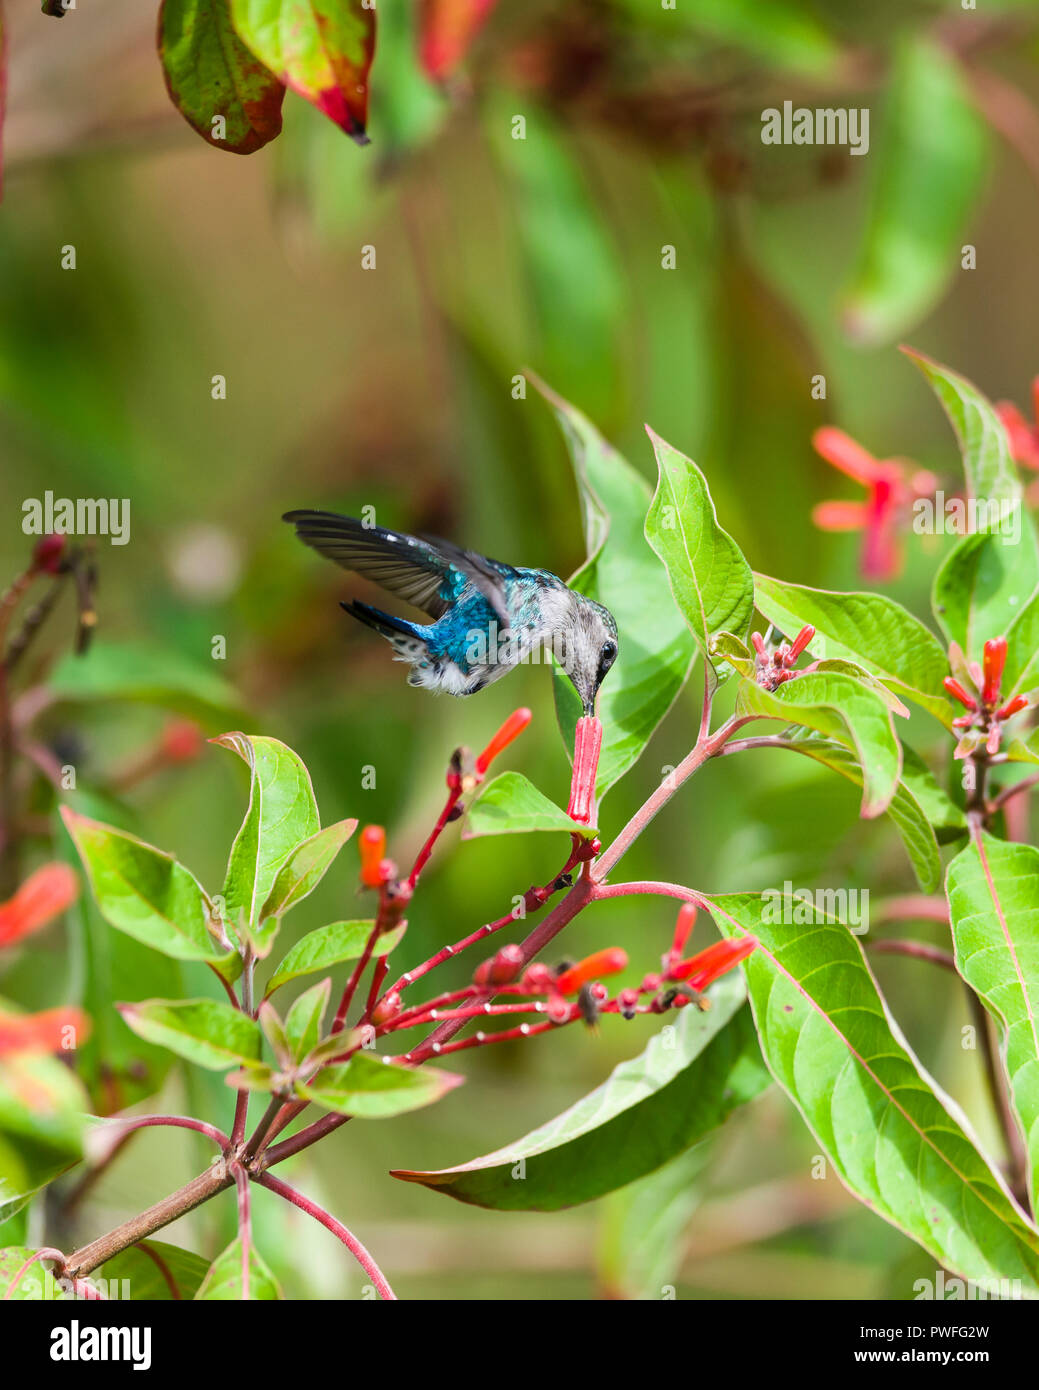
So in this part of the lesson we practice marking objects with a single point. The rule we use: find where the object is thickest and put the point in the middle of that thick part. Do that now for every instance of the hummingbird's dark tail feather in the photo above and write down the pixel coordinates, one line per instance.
(383, 623)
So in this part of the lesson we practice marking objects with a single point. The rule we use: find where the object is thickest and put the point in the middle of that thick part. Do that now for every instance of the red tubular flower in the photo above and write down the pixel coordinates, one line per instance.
(45, 894)
(994, 659)
(373, 856)
(1022, 437)
(606, 962)
(587, 747)
(509, 731)
(799, 643)
(700, 970)
(889, 491)
(42, 1032)
(683, 929)
(1014, 706)
(955, 689)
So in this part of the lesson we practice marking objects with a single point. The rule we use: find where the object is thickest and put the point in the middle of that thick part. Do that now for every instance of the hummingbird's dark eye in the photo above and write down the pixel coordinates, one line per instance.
(607, 656)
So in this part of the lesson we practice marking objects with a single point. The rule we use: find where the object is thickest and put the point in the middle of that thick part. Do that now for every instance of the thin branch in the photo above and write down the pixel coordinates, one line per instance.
(337, 1228)
(919, 950)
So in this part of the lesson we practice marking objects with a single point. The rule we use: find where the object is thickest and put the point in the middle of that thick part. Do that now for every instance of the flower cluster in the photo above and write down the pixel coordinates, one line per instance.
(985, 717)
(774, 665)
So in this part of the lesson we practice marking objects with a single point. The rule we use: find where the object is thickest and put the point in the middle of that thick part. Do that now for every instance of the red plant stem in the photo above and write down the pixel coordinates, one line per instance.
(1008, 793)
(161, 1265)
(486, 1010)
(647, 886)
(424, 853)
(222, 1141)
(355, 978)
(524, 1030)
(227, 988)
(382, 969)
(337, 1228)
(245, 1234)
(921, 950)
(912, 907)
(241, 1116)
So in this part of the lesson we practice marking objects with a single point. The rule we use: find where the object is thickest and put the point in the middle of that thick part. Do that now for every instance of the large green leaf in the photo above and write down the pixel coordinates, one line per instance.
(154, 1271)
(656, 648)
(210, 73)
(144, 892)
(511, 804)
(685, 1084)
(327, 946)
(373, 1088)
(145, 674)
(843, 709)
(981, 587)
(867, 628)
(303, 1021)
(893, 1139)
(322, 49)
(232, 1277)
(710, 580)
(282, 812)
(993, 890)
(207, 1032)
(1021, 672)
(930, 161)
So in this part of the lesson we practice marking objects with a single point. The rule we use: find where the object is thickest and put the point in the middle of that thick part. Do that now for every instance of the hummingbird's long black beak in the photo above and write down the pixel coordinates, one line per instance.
(589, 707)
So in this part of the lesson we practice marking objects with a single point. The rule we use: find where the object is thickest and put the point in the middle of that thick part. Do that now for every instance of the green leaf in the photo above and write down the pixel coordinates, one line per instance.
(993, 891)
(510, 804)
(866, 628)
(143, 674)
(104, 966)
(904, 809)
(931, 157)
(154, 1271)
(644, 1227)
(282, 812)
(305, 867)
(894, 1141)
(205, 1031)
(656, 648)
(371, 1088)
(987, 465)
(144, 892)
(947, 819)
(733, 650)
(304, 1019)
(685, 1084)
(1021, 672)
(710, 580)
(322, 49)
(327, 946)
(210, 73)
(980, 588)
(234, 1276)
(842, 709)
(34, 1283)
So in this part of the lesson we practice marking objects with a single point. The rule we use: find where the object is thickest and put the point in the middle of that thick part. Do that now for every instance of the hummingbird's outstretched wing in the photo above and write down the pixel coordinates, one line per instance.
(428, 573)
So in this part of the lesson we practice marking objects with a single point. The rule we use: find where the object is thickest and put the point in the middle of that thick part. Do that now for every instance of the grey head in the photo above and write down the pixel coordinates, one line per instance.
(589, 646)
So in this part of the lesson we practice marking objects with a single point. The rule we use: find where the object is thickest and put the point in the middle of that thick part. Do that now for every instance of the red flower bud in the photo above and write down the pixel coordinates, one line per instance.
(47, 553)
(373, 851)
(683, 928)
(607, 962)
(758, 643)
(627, 1002)
(501, 969)
(995, 658)
(955, 689)
(181, 741)
(45, 894)
(537, 978)
(1019, 702)
(510, 730)
(702, 969)
(587, 746)
(799, 643)
(387, 1008)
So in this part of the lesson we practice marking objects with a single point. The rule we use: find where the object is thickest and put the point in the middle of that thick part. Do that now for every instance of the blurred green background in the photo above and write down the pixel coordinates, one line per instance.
(392, 387)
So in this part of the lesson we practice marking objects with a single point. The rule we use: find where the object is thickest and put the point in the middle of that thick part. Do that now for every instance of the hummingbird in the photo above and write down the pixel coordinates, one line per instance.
(486, 616)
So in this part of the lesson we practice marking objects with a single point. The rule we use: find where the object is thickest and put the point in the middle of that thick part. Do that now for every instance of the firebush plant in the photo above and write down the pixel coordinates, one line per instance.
(832, 673)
